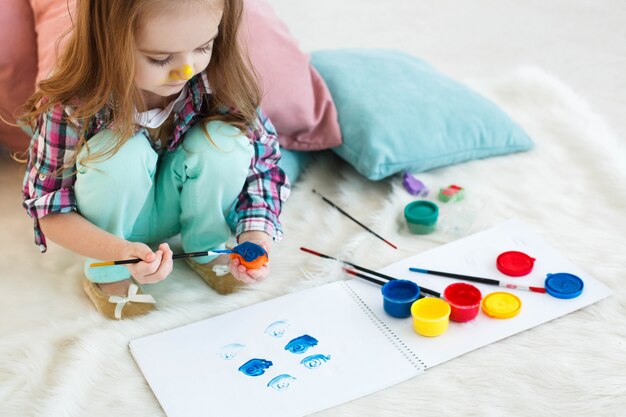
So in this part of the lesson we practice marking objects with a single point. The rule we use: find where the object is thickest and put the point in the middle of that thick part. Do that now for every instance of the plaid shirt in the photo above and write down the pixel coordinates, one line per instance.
(55, 139)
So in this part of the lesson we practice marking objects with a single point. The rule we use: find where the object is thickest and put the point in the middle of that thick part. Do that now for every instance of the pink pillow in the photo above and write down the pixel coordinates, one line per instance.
(18, 66)
(295, 97)
(52, 20)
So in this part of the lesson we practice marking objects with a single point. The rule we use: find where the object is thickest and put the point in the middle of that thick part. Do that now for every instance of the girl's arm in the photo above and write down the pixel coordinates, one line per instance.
(74, 232)
(266, 189)
(260, 202)
(49, 199)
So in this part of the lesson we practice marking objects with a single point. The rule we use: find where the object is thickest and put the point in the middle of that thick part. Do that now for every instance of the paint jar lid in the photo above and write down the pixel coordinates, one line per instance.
(514, 263)
(501, 305)
(564, 285)
(421, 212)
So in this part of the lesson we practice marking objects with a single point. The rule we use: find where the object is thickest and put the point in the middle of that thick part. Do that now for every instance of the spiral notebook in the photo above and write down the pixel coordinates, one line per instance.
(313, 349)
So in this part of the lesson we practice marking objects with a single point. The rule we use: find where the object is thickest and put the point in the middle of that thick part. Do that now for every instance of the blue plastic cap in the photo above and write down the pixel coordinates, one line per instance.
(564, 285)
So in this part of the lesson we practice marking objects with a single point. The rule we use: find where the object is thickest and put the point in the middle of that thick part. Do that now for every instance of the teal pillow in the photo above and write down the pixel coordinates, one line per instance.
(294, 162)
(398, 113)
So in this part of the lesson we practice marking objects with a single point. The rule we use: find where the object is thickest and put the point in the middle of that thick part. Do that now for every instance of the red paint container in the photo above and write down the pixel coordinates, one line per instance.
(464, 300)
(514, 263)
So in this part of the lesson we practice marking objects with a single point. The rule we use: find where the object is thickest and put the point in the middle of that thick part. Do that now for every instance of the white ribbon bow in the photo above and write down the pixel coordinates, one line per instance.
(132, 296)
(221, 270)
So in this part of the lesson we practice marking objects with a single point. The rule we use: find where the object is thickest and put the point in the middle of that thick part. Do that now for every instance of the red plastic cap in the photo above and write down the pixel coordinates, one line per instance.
(515, 264)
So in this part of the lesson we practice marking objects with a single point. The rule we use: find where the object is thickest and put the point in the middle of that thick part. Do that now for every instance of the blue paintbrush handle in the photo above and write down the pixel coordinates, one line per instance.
(457, 276)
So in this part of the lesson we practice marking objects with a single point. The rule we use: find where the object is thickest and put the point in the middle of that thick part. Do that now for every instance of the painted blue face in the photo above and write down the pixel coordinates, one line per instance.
(255, 367)
(249, 251)
(277, 329)
(315, 361)
(281, 382)
(229, 352)
(301, 344)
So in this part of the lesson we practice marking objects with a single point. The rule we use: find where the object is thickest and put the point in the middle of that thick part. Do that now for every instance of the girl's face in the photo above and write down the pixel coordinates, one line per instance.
(174, 43)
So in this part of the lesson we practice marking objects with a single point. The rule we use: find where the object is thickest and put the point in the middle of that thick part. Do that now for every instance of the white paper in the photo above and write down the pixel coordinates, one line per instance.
(189, 377)
(476, 255)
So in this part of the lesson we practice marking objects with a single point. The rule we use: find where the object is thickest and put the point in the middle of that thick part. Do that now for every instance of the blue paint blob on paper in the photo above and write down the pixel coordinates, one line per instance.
(281, 382)
(277, 329)
(301, 344)
(255, 367)
(229, 352)
(315, 361)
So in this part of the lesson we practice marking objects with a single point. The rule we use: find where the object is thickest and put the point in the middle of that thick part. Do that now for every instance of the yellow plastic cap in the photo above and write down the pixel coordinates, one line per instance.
(501, 305)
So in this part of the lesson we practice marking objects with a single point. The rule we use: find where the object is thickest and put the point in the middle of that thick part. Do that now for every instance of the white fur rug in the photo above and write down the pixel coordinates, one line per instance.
(59, 358)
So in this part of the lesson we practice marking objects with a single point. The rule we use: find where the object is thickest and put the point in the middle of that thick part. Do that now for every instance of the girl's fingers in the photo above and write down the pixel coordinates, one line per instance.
(164, 269)
(244, 278)
(143, 252)
(167, 252)
(166, 265)
(238, 274)
(143, 270)
(154, 265)
(164, 247)
(249, 276)
(258, 274)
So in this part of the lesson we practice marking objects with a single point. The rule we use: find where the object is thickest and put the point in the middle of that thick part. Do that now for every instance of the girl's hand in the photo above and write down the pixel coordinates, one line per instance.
(244, 274)
(155, 266)
(249, 276)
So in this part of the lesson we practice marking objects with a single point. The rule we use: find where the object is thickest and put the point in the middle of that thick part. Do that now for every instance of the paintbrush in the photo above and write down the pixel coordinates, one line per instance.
(175, 256)
(365, 277)
(356, 221)
(370, 279)
(369, 271)
(487, 281)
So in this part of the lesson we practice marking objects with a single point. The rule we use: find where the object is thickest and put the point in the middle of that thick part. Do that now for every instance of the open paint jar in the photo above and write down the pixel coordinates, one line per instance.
(421, 216)
(398, 296)
(430, 316)
(464, 300)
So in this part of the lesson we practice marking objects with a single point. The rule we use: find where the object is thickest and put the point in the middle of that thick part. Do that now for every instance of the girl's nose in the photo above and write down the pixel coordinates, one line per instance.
(184, 73)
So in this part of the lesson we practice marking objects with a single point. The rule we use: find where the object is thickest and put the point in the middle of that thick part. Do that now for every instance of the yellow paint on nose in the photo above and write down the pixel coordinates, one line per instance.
(184, 73)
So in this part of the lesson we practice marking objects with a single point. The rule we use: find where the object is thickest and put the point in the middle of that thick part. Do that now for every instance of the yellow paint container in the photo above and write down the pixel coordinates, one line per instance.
(501, 305)
(430, 316)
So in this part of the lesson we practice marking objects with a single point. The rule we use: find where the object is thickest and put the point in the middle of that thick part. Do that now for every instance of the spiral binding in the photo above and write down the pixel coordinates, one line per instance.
(393, 338)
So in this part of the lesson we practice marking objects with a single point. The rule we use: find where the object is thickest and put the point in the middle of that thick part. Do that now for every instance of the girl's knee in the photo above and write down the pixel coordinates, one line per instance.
(100, 154)
(224, 149)
(100, 170)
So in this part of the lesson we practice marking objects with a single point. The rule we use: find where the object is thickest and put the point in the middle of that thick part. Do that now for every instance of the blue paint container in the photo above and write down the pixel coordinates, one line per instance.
(398, 295)
(564, 285)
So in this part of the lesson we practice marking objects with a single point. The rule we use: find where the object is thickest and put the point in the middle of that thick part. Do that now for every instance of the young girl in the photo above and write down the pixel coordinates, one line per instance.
(147, 128)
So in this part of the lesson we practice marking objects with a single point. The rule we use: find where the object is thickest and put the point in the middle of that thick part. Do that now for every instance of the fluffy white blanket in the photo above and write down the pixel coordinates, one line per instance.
(58, 357)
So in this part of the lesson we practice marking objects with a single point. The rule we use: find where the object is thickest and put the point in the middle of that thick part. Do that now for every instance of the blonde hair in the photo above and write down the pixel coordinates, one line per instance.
(93, 71)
